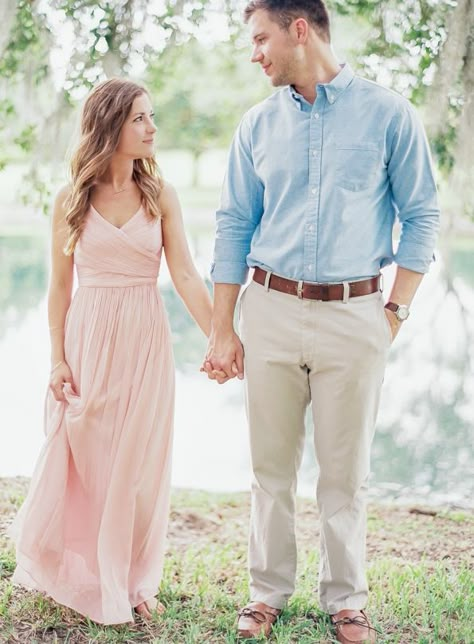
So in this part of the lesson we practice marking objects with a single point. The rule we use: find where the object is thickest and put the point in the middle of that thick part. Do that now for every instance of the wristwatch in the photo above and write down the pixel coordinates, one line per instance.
(401, 310)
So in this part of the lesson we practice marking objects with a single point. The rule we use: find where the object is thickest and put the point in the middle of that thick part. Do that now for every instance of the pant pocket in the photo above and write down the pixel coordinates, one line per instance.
(243, 292)
(386, 324)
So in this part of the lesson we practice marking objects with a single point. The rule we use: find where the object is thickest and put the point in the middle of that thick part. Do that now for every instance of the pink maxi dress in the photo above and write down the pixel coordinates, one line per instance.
(91, 532)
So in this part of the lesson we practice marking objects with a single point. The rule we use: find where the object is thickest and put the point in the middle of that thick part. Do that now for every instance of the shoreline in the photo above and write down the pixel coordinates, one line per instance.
(383, 495)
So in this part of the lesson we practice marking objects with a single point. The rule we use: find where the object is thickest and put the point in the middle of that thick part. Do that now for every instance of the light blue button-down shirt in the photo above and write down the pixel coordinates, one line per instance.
(312, 192)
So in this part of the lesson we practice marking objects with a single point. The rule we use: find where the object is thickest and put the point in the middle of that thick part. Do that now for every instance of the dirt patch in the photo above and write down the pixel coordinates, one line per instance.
(406, 533)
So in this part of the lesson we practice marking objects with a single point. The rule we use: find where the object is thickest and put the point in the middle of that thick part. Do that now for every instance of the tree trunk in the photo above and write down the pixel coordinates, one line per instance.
(195, 177)
(463, 171)
(7, 18)
(449, 67)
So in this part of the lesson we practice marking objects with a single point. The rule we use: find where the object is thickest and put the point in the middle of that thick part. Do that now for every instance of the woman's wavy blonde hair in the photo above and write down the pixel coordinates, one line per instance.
(104, 113)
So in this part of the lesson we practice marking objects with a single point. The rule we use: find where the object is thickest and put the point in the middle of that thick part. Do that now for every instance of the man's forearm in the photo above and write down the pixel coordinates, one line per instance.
(225, 298)
(405, 286)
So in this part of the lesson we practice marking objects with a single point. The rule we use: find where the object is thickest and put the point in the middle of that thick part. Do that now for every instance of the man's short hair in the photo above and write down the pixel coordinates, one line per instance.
(283, 12)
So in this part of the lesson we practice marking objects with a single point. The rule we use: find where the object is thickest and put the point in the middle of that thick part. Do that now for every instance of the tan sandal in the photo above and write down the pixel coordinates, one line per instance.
(147, 608)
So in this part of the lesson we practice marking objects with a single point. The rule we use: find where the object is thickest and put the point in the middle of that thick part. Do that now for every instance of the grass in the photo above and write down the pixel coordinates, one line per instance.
(420, 577)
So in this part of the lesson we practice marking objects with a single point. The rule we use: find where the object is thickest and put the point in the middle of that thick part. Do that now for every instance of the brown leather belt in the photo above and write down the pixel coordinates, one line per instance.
(312, 291)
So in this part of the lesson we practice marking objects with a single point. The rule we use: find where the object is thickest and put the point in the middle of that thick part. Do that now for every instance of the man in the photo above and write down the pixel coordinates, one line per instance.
(317, 175)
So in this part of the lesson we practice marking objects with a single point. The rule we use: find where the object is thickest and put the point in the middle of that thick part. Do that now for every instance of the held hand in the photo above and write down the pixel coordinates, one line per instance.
(59, 375)
(224, 358)
(394, 322)
(217, 374)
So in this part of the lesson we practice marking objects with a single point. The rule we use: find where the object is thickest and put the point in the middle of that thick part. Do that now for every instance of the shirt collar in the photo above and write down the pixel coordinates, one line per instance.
(333, 89)
(338, 84)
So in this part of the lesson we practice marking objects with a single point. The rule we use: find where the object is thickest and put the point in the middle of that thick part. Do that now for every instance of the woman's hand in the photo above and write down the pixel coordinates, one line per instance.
(59, 375)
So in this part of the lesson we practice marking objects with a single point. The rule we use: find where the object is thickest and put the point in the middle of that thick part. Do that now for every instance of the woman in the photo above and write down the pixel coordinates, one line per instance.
(91, 533)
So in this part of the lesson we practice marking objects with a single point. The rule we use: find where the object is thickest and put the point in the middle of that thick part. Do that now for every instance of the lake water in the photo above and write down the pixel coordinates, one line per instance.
(423, 446)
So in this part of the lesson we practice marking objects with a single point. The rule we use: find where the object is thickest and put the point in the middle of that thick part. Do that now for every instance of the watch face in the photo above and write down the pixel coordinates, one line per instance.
(403, 312)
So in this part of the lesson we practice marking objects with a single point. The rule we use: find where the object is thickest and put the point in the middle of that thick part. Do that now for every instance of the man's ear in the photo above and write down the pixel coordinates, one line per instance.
(300, 29)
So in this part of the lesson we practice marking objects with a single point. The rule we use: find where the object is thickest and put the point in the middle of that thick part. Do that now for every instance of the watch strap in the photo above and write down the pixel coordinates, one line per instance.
(391, 306)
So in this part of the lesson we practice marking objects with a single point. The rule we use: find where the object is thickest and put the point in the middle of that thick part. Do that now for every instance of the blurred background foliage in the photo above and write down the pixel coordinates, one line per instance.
(194, 58)
(193, 55)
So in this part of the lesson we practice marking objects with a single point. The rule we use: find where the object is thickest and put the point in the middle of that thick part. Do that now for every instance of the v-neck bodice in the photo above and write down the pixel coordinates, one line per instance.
(123, 226)
(107, 255)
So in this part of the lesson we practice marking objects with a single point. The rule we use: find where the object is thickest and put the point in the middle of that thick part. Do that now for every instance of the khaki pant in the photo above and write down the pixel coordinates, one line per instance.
(332, 354)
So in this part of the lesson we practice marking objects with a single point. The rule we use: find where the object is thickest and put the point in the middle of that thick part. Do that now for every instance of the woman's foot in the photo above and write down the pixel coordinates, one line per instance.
(149, 607)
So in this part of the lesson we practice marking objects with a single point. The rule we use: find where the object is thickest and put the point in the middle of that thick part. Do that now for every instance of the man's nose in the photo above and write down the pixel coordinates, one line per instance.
(256, 55)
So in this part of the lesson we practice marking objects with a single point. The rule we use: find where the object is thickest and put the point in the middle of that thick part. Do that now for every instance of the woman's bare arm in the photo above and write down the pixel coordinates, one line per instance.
(187, 281)
(60, 284)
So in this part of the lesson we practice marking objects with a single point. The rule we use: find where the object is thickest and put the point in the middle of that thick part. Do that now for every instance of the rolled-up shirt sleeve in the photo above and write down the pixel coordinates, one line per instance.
(240, 211)
(414, 192)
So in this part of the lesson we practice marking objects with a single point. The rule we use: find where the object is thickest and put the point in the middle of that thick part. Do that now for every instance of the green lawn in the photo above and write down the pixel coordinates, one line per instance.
(420, 575)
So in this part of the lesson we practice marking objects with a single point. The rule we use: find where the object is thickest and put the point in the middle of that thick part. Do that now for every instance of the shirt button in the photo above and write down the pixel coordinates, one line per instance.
(316, 116)
(313, 191)
(309, 267)
(314, 153)
(310, 228)
(330, 98)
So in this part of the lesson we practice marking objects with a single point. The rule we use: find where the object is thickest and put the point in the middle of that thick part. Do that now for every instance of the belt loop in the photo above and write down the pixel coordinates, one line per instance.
(346, 292)
(381, 282)
(267, 281)
(299, 290)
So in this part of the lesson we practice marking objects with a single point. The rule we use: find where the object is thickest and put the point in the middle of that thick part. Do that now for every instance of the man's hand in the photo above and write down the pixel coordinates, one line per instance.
(394, 322)
(225, 357)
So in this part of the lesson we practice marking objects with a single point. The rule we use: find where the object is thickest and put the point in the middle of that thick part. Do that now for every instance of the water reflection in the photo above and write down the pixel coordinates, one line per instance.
(189, 343)
(23, 277)
(427, 417)
(423, 445)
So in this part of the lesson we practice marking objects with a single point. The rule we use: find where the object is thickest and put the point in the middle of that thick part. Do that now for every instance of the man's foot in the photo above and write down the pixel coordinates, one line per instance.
(353, 627)
(148, 608)
(256, 619)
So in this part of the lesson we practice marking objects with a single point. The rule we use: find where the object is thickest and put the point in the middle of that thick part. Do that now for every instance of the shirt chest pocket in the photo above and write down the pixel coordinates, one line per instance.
(356, 165)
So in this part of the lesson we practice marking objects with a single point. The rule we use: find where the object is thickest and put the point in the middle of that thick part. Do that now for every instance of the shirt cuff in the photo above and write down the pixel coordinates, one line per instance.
(229, 272)
(414, 257)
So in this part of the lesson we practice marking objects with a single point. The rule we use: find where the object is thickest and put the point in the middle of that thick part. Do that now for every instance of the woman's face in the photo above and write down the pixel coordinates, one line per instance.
(137, 136)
